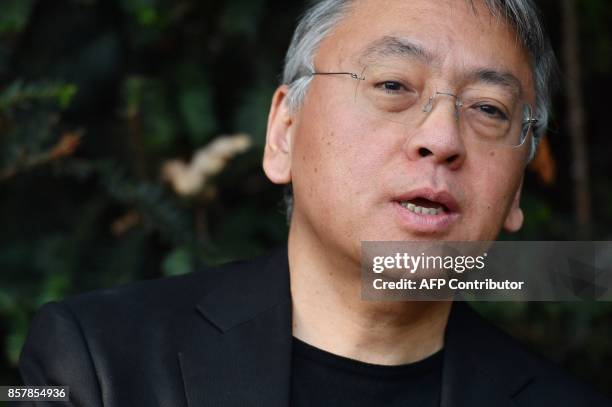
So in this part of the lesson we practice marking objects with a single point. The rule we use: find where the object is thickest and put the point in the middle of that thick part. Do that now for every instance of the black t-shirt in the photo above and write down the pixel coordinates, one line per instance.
(320, 378)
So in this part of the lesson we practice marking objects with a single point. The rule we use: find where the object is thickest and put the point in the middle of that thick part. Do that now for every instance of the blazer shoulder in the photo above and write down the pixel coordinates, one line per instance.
(151, 296)
(553, 382)
(549, 383)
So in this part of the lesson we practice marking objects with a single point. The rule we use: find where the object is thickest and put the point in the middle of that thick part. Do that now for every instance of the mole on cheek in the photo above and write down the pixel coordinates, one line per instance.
(492, 153)
(329, 138)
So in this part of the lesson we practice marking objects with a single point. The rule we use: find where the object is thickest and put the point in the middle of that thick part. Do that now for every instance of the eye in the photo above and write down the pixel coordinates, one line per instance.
(391, 86)
(491, 111)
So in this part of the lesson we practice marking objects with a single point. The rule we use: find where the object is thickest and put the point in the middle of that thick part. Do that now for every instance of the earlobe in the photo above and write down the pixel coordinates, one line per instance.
(277, 153)
(515, 217)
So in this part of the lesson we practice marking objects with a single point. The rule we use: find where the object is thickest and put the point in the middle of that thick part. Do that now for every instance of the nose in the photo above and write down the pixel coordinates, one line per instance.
(437, 136)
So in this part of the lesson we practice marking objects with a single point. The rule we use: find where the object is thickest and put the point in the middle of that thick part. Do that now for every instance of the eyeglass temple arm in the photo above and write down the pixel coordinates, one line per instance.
(351, 74)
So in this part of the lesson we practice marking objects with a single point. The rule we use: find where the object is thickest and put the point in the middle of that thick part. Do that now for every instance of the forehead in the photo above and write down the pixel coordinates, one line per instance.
(452, 37)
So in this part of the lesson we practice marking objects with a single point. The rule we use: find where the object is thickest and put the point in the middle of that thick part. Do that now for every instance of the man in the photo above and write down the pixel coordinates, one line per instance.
(397, 120)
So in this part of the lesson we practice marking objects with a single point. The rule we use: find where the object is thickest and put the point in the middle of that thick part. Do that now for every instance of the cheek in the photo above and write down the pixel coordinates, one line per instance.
(497, 180)
(317, 171)
(336, 153)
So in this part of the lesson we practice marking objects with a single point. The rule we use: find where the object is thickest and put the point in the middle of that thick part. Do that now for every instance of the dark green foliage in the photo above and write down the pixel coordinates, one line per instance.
(96, 95)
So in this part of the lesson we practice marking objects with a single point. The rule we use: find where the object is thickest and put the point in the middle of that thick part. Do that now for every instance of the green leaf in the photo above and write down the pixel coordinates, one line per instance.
(7, 302)
(147, 16)
(18, 329)
(177, 262)
(159, 124)
(197, 111)
(145, 11)
(65, 94)
(18, 94)
(55, 287)
(252, 116)
(14, 15)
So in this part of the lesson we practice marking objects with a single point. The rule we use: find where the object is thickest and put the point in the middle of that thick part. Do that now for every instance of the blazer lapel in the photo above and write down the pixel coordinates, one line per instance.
(242, 354)
(481, 366)
(239, 351)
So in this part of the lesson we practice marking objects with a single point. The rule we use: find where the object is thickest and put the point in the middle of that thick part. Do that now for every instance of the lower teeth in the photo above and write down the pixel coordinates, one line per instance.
(421, 209)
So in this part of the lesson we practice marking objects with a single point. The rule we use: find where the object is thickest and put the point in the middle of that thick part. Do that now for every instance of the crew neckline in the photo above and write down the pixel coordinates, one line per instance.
(418, 368)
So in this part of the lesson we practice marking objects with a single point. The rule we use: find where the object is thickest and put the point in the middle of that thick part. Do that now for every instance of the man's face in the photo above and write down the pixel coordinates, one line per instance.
(351, 169)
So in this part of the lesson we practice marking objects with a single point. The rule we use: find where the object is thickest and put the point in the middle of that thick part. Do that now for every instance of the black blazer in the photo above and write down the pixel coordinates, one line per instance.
(222, 337)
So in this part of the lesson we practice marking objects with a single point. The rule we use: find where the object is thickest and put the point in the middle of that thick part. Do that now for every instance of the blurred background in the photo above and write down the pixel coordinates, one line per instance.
(131, 134)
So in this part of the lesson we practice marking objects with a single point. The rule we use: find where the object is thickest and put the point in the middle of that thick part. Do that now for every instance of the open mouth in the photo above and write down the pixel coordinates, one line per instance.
(428, 202)
(424, 206)
(425, 210)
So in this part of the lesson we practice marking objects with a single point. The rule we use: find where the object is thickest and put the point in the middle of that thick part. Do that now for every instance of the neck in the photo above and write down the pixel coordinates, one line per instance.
(328, 311)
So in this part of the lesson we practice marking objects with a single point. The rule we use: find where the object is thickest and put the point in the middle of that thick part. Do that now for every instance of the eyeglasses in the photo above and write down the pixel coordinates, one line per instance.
(484, 113)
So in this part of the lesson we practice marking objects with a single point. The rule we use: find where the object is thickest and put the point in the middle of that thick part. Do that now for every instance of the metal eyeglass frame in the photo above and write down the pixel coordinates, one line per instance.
(528, 124)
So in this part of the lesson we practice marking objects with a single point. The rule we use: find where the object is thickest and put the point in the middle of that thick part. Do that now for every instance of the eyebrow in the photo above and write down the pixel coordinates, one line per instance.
(394, 46)
(504, 79)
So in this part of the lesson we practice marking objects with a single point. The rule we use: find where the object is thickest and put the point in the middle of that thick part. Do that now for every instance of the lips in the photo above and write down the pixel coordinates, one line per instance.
(426, 212)
(441, 201)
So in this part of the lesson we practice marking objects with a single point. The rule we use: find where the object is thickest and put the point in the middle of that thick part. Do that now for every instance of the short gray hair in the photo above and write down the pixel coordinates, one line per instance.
(523, 15)
(320, 19)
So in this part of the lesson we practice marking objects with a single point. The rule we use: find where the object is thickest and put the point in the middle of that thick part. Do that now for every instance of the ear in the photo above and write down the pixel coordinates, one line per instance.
(277, 153)
(515, 217)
